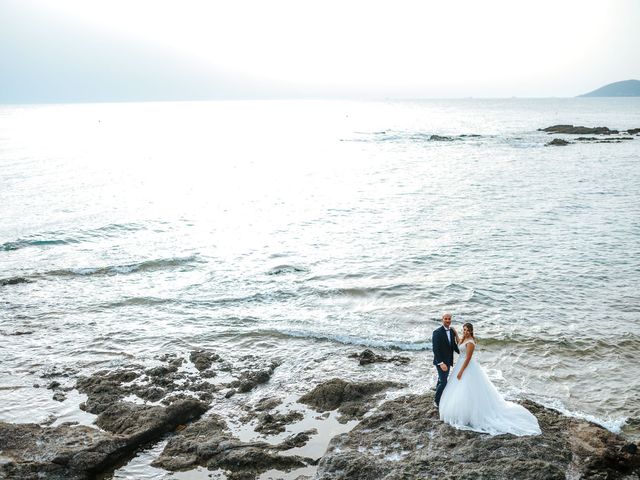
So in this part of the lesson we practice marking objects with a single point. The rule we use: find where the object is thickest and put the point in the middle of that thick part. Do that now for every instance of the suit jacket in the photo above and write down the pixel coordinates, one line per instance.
(442, 349)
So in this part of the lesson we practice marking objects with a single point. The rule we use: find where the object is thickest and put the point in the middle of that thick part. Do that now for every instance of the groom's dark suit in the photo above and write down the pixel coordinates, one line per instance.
(444, 344)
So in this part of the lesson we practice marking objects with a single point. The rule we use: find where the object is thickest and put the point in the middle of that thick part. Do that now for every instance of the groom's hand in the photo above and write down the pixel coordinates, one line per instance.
(444, 367)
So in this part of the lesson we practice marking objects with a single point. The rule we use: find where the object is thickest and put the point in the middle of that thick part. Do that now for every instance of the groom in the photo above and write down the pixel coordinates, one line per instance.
(444, 344)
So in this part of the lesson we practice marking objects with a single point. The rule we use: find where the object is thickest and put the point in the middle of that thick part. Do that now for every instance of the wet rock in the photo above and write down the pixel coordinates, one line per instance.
(202, 359)
(297, 440)
(578, 130)
(105, 388)
(151, 394)
(352, 399)
(208, 443)
(367, 357)
(249, 379)
(59, 397)
(77, 451)
(633, 131)
(14, 281)
(267, 403)
(274, 423)
(557, 142)
(230, 393)
(126, 418)
(406, 439)
(440, 138)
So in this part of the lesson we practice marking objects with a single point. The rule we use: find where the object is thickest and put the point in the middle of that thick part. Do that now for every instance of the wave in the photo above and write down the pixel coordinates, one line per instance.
(613, 424)
(53, 238)
(282, 269)
(145, 266)
(347, 340)
(401, 136)
(14, 281)
(381, 291)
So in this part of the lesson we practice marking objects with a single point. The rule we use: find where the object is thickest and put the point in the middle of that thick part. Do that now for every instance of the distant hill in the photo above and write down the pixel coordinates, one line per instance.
(626, 88)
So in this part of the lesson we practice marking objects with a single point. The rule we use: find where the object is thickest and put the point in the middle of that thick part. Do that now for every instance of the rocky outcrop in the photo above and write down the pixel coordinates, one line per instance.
(352, 399)
(405, 438)
(578, 130)
(209, 443)
(367, 357)
(77, 452)
(557, 142)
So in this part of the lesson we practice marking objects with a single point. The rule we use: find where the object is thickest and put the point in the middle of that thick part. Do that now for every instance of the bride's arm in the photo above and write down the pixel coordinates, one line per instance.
(470, 348)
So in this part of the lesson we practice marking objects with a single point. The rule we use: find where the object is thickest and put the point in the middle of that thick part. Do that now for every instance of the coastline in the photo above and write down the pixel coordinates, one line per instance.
(164, 416)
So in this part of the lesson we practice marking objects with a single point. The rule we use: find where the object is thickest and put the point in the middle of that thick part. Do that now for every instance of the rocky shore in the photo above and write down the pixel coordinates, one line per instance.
(177, 402)
(605, 134)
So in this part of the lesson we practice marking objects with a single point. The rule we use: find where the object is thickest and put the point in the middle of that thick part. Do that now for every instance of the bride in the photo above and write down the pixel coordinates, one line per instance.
(471, 402)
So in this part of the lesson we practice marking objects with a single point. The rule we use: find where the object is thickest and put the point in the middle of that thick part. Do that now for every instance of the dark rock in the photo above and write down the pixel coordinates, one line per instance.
(631, 448)
(13, 281)
(53, 385)
(202, 359)
(297, 440)
(406, 439)
(578, 130)
(230, 393)
(633, 131)
(558, 142)
(208, 443)
(125, 418)
(351, 399)
(440, 138)
(105, 388)
(161, 371)
(80, 452)
(59, 397)
(367, 356)
(249, 379)
(274, 423)
(267, 403)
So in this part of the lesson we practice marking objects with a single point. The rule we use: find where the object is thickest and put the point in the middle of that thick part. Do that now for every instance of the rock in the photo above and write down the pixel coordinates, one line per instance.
(208, 443)
(249, 379)
(80, 452)
(202, 359)
(297, 440)
(558, 142)
(406, 439)
(440, 138)
(351, 399)
(578, 130)
(267, 403)
(53, 385)
(633, 131)
(367, 356)
(274, 423)
(148, 421)
(13, 281)
(59, 397)
(105, 388)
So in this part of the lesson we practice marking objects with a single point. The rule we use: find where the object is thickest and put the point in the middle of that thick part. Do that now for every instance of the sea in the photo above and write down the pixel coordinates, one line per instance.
(308, 230)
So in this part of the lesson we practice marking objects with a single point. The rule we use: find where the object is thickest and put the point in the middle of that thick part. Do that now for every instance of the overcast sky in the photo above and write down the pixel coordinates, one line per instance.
(86, 50)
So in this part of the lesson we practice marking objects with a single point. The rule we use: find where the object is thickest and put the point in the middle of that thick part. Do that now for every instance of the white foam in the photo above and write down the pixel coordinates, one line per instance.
(354, 340)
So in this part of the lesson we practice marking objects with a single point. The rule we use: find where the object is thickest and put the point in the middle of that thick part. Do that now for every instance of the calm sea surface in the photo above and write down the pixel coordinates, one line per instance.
(306, 231)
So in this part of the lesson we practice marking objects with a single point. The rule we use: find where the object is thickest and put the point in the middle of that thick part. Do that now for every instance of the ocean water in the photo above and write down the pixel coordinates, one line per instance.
(308, 230)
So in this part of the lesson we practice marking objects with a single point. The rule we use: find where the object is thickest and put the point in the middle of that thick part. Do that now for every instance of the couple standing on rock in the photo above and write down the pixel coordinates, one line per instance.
(468, 400)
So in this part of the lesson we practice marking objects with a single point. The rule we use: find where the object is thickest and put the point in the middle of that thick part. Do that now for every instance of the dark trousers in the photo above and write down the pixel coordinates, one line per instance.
(442, 382)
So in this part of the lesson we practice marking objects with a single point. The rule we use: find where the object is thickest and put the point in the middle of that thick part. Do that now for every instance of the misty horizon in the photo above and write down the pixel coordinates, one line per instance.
(68, 52)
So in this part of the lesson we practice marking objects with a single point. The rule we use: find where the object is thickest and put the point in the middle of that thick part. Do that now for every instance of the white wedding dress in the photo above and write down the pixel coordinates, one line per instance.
(473, 403)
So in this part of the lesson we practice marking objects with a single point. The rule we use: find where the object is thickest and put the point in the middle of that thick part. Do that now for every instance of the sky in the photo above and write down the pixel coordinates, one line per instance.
(89, 50)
